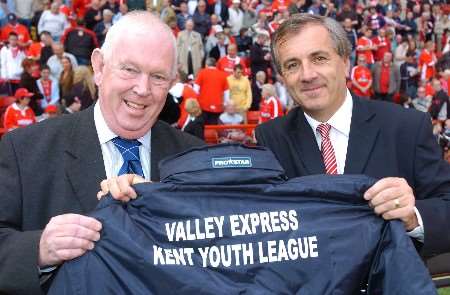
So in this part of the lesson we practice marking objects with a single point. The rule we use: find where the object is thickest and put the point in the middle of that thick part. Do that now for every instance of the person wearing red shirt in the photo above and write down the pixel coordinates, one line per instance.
(80, 7)
(228, 62)
(364, 46)
(270, 107)
(427, 62)
(382, 45)
(19, 114)
(213, 91)
(386, 78)
(280, 5)
(13, 26)
(361, 79)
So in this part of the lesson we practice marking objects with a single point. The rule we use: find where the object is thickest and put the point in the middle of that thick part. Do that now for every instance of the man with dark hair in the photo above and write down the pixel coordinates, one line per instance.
(80, 42)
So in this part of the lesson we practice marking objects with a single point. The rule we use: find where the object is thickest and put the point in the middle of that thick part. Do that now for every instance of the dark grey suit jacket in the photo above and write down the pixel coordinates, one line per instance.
(385, 140)
(53, 168)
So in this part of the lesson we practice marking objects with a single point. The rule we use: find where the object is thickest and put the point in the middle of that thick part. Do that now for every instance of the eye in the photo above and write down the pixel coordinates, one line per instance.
(291, 66)
(320, 59)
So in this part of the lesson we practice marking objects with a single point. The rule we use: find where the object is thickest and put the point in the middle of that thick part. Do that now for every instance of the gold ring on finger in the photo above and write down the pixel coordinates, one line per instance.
(397, 203)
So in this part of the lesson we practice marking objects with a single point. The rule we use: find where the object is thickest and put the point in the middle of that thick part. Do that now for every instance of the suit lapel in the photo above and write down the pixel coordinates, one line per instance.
(156, 153)
(362, 138)
(305, 143)
(85, 168)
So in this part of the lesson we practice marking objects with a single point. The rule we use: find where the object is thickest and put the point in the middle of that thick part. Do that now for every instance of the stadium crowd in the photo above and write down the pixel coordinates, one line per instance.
(401, 54)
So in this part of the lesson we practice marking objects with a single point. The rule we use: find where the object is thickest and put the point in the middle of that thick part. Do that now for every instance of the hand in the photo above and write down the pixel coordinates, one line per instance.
(393, 198)
(66, 237)
(120, 187)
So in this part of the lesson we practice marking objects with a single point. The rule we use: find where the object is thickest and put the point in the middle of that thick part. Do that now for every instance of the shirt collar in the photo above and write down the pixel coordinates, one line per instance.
(105, 134)
(340, 120)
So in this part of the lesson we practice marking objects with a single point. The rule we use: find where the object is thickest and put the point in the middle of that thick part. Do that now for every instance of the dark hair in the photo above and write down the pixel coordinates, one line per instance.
(45, 67)
(13, 34)
(238, 67)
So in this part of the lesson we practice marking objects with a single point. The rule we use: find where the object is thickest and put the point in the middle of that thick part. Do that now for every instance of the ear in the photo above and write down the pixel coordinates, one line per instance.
(97, 65)
(347, 67)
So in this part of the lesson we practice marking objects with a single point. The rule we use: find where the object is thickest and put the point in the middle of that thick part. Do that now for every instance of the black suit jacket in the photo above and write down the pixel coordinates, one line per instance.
(385, 140)
(196, 127)
(49, 169)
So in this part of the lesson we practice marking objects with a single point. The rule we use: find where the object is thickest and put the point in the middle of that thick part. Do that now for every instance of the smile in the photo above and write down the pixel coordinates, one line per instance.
(134, 105)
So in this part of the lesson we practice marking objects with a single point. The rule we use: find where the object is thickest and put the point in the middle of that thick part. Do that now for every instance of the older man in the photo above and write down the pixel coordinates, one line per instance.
(49, 174)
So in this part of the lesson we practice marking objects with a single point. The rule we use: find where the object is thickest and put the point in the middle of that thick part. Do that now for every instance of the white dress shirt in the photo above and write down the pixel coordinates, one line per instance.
(112, 158)
(339, 135)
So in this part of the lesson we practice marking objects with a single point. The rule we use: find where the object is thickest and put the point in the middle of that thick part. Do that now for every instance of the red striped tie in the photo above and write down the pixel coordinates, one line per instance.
(328, 156)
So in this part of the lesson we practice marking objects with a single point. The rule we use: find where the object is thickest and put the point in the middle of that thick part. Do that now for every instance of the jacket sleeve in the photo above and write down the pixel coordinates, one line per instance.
(18, 250)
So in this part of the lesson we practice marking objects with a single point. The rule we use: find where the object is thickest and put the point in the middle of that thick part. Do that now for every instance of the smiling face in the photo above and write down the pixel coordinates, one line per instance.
(134, 80)
(313, 72)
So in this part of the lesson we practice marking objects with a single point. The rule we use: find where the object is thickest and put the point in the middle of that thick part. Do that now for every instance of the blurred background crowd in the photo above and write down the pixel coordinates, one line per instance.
(401, 54)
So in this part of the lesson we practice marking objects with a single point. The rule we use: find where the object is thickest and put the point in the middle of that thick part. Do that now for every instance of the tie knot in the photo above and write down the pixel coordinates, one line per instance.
(129, 148)
(324, 130)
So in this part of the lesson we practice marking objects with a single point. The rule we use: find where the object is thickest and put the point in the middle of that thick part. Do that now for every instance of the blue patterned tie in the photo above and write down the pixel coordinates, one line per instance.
(130, 154)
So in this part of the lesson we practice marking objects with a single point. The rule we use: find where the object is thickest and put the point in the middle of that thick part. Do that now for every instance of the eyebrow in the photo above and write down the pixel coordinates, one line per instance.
(312, 54)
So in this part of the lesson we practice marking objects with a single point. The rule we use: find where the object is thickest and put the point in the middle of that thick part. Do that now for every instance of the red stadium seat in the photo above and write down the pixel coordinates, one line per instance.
(211, 136)
(252, 117)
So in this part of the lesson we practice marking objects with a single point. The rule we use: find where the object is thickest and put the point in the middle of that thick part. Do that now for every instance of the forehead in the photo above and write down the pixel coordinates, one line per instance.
(150, 52)
(309, 40)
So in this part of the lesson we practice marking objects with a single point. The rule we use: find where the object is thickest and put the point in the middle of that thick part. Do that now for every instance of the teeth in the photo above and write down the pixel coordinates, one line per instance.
(135, 105)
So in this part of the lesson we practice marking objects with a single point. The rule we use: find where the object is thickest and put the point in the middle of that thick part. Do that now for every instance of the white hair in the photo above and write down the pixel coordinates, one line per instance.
(137, 22)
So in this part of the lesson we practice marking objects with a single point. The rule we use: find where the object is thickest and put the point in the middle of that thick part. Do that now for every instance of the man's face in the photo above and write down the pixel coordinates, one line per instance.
(421, 92)
(12, 41)
(387, 57)
(45, 74)
(232, 50)
(133, 82)
(314, 74)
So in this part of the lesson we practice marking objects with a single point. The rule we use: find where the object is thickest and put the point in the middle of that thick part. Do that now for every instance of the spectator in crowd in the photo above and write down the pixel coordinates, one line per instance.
(257, 84)
(409, 24)
(123, 9)
(386, 79)
(347, 13)
(53, 21)
(260, 54)
(361, 79)
(80, 42)
(50, 111)
(221, 48)
(381, 44)
(167, 14)
(244, 42)
(55, 61)
(41, 50)
(236, 17)
(219, 8)
(352, 37)
(28, 80)
(129, 102)
(24, 11)
(190, 49)
(270, 107)
(19, 114)
(249, 15)
(11, 57)
(427, 62)
(183, 16)
(228, 62)
(231, 116)
(202, 21)
(48, 88)
(383, 132)
(72, 104)
(297, 6)
(440, 103)
(93, 14)
(84, 86)
(240, 90)
(213, 91)
(409, 75)
(422, 102)
(365, 46)
(401, 50)
(194, 123)
(66, 77)
(261, 25)
(22, 32)
(375, 20)
(102, 27)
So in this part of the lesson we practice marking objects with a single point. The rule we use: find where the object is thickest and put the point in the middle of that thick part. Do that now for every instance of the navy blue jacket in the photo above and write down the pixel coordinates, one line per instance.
(341, 246)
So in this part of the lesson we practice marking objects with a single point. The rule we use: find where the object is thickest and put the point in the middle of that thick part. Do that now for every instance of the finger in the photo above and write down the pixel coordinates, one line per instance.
(114, 189)
(68, 254)
(125, 182)
(379, 186)
(100, 195)
(391, 205)
(386, 195)
(70, 218)
(68, 243)
(401, 213)
(138, 179)
(78, 231)
(104, 186)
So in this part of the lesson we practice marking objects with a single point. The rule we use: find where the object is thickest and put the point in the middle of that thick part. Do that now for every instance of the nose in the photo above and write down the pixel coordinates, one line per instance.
(142, 86)
(308, 72)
